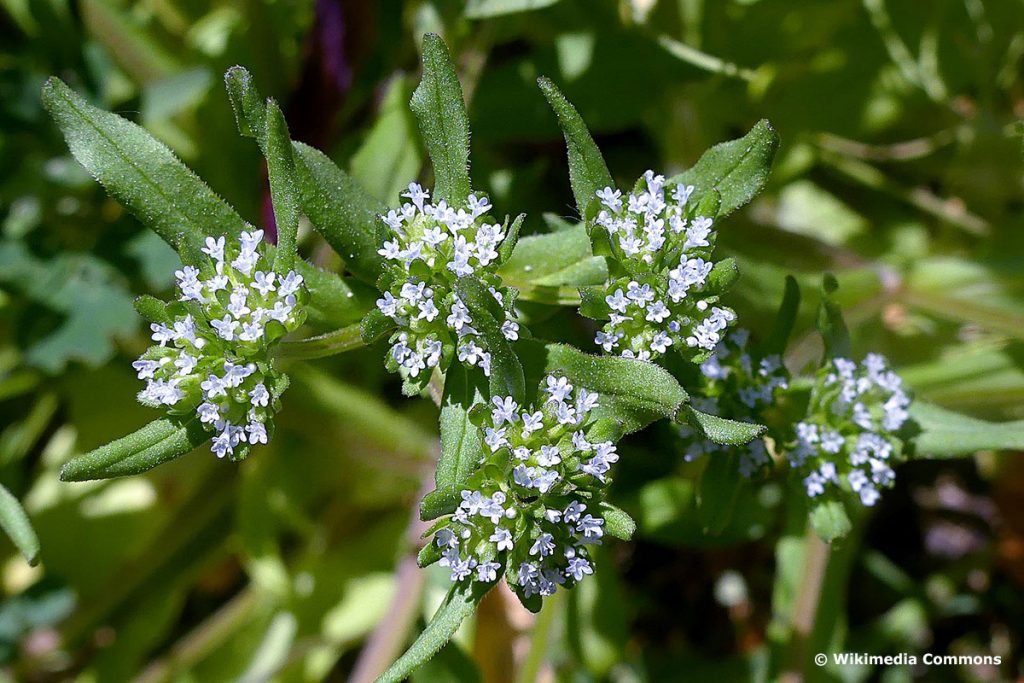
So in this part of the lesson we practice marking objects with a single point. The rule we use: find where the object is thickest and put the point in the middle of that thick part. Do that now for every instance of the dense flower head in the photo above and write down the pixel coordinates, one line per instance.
(430, 246)
(211, 355)
(737, 385)
(666, 298)
(532, 509)
(850, 438)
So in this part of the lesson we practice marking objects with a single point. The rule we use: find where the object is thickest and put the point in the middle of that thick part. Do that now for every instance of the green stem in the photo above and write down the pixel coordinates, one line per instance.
(541, 638)
(330, 344)
(703, 60)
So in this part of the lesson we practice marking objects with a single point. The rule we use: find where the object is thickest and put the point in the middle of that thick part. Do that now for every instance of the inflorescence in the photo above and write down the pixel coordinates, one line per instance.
(532, 509)
(665, 246)
(850, 438)
(430, 246)
(211, 352)
(739, 386)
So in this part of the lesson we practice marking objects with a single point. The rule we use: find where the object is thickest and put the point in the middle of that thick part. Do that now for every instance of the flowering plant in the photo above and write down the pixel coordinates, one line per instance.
(529, 426)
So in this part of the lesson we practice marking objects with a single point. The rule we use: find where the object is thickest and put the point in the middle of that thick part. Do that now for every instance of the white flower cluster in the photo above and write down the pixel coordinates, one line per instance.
(430, 246)
(851, 432)
(210, 355)
(532, 508)
(737, 386)
(666, 250)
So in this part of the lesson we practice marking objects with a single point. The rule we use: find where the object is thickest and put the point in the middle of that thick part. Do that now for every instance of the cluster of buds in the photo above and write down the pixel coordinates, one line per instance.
(850, 438)
(532, 509)
(667, 296)
(739, 386)
(430, 247)
(211, 352)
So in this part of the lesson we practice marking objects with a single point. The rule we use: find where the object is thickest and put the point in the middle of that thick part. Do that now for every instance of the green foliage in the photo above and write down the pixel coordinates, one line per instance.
(158, 442)
(441, 112)
(17, 526)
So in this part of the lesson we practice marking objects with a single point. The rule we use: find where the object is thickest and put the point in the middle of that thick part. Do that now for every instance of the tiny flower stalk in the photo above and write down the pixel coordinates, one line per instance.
(535, 505)
(212, 351)
(432, 250)
(664, 289)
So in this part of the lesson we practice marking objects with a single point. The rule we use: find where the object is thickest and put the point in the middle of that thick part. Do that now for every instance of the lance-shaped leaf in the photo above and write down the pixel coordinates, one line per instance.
(487, 315)
(785, 319)
(461, 445)
(617, 521)
(172, 201)
(345, 214)
(460, 602)
(722, 430)
(555, 259)
(441, 112)
(738, 169)
(830, 321)
(283, 190)
(158, 442)
(634, 393)
(945, 434)
(138, 170)
(16, 525)
(588, 171)
(246, 101)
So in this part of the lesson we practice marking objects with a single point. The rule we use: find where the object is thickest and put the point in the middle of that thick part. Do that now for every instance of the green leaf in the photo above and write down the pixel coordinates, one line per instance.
(830, 321)
(461, 445)
(152, 309)
(617, 521)
(588, 171)
(391, 153)
(830, 521)
(720, 429)
(138, 171)
(146, 177)
(785, 319)
(158, 442)
(460, 602)
(945, 434)
(16, 525)
(487, 314)
(345, 214)
(723, 276)
(738, 169)
(441, 111)
(633, 393)
(554, 259)
(283, 190)
(246, 102)
(508, 245)
(375, 325)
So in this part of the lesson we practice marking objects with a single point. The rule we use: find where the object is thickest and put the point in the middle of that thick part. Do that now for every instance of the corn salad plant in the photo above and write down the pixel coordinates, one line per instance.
(440, 284)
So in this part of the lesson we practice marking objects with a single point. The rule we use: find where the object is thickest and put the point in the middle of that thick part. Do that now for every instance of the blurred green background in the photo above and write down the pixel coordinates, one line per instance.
(900, 170)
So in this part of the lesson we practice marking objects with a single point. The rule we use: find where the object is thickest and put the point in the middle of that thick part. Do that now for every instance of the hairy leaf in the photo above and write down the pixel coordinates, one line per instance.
(460, 602)
(158, 442)
(617, 521)
(633, 393)
(345, 214)
(441, 111)
(461, 445)
(283, 190)
(506, 370)
(722, 430)
(738, 169)
(588, 171)
(16, 525)
(830, 521)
